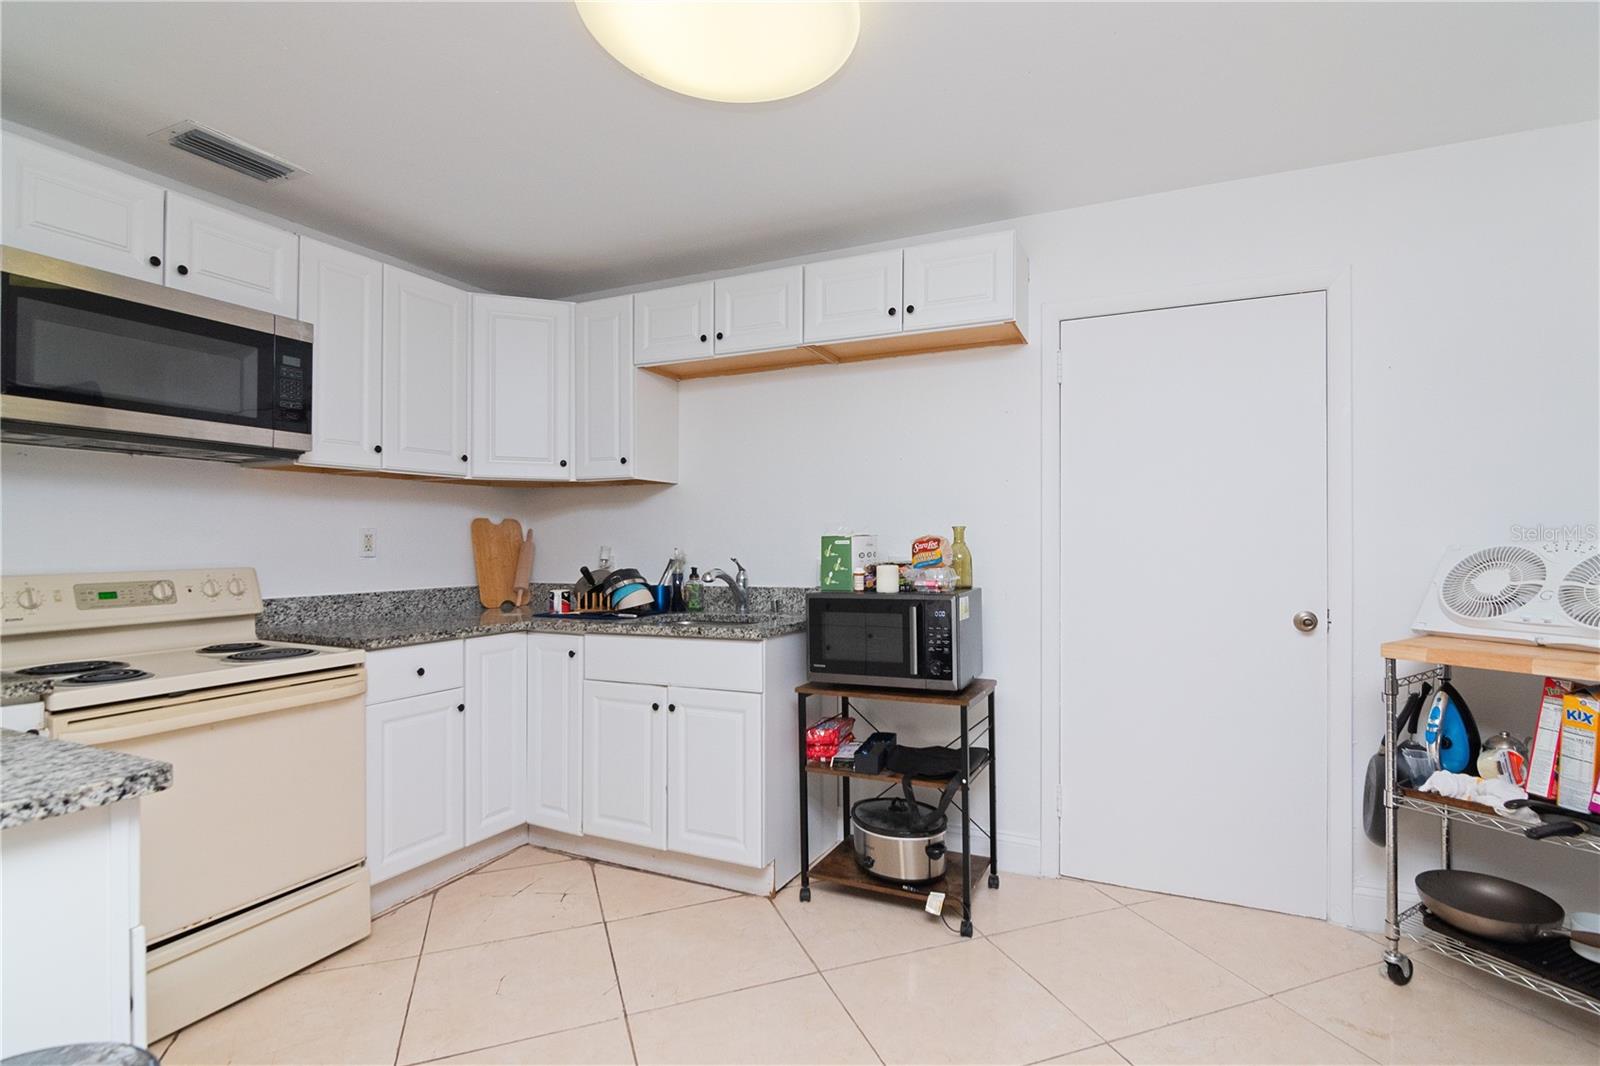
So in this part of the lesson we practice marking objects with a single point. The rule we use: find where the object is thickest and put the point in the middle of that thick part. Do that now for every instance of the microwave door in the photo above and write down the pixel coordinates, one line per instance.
(865, 641)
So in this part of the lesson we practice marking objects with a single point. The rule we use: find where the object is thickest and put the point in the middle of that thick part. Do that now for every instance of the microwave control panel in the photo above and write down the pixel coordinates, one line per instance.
(938, 642)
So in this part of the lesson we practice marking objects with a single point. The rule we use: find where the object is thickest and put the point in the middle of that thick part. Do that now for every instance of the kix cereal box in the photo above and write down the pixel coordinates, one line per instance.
(1580, 716)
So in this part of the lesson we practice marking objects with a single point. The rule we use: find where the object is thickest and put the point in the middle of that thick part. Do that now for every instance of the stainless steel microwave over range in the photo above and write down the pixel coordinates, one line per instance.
(926, 640)
(92, 359)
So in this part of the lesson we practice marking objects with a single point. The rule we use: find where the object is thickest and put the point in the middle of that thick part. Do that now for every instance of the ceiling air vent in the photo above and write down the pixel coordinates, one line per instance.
(228, 152)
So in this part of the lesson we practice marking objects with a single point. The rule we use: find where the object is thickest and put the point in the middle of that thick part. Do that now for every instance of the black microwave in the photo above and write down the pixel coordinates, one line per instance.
(90, 359)
(916, 640)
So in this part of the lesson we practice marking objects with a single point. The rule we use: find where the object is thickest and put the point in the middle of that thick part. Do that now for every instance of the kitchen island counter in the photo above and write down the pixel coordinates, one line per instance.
(45, 778)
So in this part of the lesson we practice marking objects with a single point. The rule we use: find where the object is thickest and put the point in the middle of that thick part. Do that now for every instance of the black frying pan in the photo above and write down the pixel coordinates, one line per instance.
(1495, 908)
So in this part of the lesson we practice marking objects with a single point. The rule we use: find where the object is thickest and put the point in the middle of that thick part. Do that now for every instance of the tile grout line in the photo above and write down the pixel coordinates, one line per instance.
(518, 1040)
(773, 899)
(1046, 989)
(622, 1002)
(1302, 1014)
(415, 970)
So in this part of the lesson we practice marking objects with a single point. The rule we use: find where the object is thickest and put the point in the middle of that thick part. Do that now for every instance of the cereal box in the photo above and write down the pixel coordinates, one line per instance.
(1544, 755)
(1580, 714)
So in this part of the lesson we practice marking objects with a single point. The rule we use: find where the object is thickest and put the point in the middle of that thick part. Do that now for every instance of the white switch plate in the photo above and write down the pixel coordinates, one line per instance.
(369, 544)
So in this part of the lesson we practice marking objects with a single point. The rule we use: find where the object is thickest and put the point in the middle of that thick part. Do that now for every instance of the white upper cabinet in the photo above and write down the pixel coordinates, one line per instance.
(226, 256)
(65, 207)
(496, 734)
(603, 371)
(854, 297)
(521, 388)
(962, 282)
(714, 744)
(425, 374)
(341, 295)
(670, 325)
(555, 731)
(758, 312)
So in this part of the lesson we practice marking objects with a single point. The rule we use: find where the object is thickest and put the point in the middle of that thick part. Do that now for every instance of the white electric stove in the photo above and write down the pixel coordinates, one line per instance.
(253, 864)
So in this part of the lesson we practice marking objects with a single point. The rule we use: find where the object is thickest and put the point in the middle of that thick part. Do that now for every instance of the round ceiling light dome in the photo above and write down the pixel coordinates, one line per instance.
(731, 52)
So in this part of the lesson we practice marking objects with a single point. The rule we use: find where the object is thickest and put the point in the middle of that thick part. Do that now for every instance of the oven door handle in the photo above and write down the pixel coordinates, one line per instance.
(916, 638)
(111, 729)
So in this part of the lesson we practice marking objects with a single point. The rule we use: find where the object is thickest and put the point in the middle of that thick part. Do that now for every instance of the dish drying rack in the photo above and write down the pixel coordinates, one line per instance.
(1550, 968)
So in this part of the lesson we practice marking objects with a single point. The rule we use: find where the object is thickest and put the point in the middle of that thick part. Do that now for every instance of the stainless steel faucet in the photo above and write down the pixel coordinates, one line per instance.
(739, 583)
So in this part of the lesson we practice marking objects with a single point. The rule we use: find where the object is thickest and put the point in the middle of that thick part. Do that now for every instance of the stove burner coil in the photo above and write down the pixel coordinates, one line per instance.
(104, 677)
(228, 649)
(260, 655)
(80, 667)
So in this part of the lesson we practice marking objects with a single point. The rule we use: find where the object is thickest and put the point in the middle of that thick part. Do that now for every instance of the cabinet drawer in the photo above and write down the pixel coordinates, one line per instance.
(726, 665)
(395, 673)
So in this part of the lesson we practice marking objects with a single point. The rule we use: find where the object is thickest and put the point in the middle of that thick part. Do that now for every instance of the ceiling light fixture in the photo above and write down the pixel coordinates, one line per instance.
(731, 52)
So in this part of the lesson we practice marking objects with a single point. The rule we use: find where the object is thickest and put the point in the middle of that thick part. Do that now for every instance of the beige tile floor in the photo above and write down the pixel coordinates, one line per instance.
(540, 958)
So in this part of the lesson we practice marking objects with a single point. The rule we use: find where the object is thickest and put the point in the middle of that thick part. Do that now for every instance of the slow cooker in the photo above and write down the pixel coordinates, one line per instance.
(898, 840)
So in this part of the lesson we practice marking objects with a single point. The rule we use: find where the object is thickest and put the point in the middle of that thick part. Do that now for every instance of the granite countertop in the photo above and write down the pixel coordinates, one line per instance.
(377, 620)
(45, 778)
(15, 688)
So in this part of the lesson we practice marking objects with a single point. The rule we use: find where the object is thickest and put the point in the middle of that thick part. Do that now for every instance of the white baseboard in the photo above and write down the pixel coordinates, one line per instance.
(1371, 905)
(756, 882)
(389, 894)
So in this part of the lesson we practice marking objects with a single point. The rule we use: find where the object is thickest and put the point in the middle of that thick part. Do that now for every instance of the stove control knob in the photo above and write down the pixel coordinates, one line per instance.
(210, 589)
(163, 592)
(235, 587)
(28, 598)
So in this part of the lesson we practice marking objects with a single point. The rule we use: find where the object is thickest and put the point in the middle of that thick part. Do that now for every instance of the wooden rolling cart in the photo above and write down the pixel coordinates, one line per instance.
(1551, 967)
(839, 865)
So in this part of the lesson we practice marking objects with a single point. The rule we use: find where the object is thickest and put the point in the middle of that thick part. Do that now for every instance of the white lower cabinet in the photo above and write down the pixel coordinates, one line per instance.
(415, 781)
(714, 774)
(555, 731)
(624, 762)
(496, 734)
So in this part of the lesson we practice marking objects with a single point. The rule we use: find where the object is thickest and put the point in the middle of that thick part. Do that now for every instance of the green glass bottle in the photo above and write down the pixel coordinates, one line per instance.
(961, 558)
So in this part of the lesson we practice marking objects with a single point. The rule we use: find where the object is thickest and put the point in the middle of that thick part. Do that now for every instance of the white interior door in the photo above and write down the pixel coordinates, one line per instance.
(1193, 529)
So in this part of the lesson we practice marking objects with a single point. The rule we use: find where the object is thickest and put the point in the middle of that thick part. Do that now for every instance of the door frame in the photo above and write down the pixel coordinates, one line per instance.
(1334, 283)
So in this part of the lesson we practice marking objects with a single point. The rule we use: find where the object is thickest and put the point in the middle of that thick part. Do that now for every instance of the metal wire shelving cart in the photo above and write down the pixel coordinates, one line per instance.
(1551, 968)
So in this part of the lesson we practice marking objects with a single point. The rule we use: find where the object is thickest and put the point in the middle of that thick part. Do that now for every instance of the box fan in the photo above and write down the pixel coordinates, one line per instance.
(1535, 595)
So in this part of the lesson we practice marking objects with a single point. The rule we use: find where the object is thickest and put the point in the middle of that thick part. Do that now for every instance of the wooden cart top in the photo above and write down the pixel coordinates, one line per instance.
(976, 689)
(1571, 664)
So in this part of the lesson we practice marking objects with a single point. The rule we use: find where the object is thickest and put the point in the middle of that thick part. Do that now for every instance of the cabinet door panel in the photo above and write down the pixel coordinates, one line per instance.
(59, 205)
(961, 282)
(854, 297)
(758, 312)
(341, 295)
(604, 388)
(496, 734)
(671, 325)
(714, 774)
(624, 787)
(226, 256)
(555, 731)
(414, 782)
(424, 375)
(521, 388)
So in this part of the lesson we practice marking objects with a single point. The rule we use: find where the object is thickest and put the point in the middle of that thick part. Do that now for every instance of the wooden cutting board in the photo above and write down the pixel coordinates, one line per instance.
(495, 548)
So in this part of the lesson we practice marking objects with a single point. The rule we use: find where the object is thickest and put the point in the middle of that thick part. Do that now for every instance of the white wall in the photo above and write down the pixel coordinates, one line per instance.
(1476, 375)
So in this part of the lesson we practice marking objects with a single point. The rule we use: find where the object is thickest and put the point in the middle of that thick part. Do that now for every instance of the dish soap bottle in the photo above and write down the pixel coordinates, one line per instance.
(691, 591)
(961, 558)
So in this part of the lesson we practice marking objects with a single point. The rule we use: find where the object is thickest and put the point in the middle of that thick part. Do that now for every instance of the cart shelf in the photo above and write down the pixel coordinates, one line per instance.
(980, 763)
(839, 867)
(1550, 967)
(1457, 810)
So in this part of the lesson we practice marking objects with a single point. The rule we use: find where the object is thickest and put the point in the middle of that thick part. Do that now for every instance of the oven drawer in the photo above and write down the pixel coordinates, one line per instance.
(395, 673)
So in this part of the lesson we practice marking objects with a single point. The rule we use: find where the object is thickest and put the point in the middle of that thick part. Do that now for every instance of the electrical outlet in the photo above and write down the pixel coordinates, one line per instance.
(369, 544)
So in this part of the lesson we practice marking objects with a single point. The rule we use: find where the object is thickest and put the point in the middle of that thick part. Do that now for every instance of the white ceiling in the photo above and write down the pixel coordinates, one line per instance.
(498, 144)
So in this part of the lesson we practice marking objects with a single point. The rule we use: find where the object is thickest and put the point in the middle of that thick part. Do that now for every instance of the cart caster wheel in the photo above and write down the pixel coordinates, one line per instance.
(994, 880)
(1399, 972)
(966, 927)
(805, 895)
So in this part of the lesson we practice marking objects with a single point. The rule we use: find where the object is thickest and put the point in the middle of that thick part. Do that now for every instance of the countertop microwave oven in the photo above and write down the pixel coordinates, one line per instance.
(915, 640)
(92, 359)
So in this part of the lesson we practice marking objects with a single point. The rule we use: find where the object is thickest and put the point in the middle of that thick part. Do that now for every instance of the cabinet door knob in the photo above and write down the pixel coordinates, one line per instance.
(463, 458)
(910, 308)
(421, 671)
(671, 707)
(655, 706)
(891, 312)
(563, 462)
(155, 260)
(719, 334)
(377, 447)
(182, 269)
(702, 338)
(461, 706)
(572, 654)
(624, 460)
